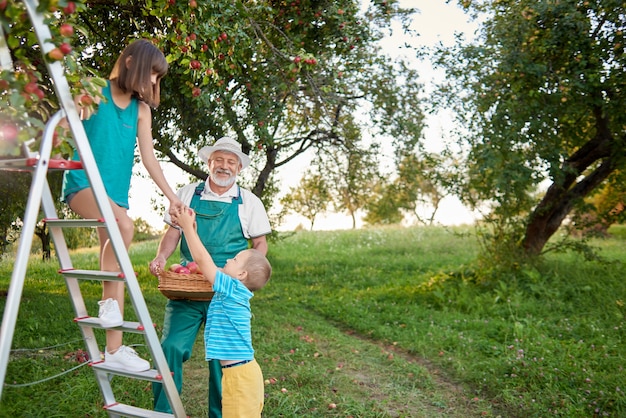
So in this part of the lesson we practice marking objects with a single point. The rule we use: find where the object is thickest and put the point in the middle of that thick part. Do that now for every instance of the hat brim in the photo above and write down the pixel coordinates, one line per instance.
(206, 152)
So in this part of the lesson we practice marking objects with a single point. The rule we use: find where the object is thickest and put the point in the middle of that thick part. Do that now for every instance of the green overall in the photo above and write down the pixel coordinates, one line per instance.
(220, 231)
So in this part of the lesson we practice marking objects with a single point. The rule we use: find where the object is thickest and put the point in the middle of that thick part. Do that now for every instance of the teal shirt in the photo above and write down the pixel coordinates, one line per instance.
(112, 135)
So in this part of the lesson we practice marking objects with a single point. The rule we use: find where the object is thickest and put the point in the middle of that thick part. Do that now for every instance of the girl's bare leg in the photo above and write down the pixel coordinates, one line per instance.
(84, 204)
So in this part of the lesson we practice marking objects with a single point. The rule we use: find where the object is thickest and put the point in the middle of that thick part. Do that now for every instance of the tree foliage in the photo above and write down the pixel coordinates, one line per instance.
(540, 100)
(284, 78)
(383, 206)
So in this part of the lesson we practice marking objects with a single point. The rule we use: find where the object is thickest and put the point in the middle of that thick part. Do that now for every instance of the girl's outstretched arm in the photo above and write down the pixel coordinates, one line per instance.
(146, 151)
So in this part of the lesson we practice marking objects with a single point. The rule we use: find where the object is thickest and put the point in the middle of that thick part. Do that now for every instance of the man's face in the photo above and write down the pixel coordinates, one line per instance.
(223, 168)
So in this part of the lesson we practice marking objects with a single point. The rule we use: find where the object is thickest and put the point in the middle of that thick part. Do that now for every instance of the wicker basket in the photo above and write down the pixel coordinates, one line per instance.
(185, 286)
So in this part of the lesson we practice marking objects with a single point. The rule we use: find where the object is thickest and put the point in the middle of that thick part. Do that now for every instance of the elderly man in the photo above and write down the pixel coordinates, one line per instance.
(229, 219)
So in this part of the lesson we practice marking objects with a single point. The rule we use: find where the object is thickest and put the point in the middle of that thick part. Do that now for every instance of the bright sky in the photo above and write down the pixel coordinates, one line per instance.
(437, 21)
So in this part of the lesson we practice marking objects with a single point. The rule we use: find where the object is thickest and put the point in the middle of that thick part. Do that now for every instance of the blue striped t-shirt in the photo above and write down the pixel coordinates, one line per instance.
(227, 334)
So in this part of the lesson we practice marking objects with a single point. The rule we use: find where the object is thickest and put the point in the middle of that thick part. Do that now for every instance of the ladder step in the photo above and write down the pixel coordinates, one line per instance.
(112, 276)
(150, 375)
(74, 223)
(133, 411)
(127, 326)
(28, 164)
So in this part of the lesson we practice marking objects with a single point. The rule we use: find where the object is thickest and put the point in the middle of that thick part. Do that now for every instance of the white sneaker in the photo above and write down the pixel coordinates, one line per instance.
(109, 314)
(125, 358)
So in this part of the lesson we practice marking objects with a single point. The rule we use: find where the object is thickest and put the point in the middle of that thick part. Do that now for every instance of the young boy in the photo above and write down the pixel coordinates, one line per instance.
(227, 332)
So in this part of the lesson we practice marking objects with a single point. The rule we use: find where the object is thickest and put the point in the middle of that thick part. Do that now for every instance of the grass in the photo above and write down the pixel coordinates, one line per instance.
(386, 322)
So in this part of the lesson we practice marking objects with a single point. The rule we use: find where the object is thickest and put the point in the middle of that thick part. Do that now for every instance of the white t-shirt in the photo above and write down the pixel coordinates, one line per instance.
(252, 214)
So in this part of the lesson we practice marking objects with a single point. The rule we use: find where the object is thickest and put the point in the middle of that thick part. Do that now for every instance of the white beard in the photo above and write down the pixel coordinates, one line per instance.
(224, 182)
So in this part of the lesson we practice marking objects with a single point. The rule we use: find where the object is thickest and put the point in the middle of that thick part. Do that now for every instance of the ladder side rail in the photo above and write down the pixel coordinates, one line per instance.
(10, 312)
(82, 145)
(5, 54)
(16, 286)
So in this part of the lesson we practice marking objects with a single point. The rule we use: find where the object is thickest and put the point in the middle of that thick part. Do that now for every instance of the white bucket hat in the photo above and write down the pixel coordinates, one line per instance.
(225, 144)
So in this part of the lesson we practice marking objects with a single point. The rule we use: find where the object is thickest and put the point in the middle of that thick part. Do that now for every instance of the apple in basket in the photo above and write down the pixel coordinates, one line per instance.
(193, 267)
(177, 268)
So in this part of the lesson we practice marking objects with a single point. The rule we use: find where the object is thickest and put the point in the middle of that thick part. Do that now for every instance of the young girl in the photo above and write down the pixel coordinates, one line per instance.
(122, 120)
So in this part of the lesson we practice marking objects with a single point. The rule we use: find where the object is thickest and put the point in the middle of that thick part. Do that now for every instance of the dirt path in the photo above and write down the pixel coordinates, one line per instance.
(363, 371)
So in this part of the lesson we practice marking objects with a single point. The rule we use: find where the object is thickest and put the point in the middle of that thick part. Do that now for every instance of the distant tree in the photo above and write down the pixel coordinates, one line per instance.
(309, 198)
(143, 230)
(14, 194)
(418, 185)
(540, 99)
(14, 188)
(351, 176)
(383, 207)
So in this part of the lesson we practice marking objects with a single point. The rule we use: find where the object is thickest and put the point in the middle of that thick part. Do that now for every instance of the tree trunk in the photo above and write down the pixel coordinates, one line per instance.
(44, 236)
(264, 175)
(565, 192)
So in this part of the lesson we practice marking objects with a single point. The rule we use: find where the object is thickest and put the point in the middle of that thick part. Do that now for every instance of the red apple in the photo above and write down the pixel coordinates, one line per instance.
(223, 36)
(65, 48)
(70, 8)
(56, 54)
(9, 133)
(86, 100)
(66, 30)
(193, 267)
(195, 92)
(31, 87)
(174, 267)
(182, 270)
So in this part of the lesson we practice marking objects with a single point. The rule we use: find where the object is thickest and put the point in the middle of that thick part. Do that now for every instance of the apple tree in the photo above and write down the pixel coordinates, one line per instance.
(539, 96)
(283, 77)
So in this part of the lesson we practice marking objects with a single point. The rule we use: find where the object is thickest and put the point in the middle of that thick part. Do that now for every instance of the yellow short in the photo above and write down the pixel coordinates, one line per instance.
(243, 391)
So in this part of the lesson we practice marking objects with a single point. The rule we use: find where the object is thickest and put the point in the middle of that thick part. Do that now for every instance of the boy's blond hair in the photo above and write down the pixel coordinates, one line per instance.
(259, 270)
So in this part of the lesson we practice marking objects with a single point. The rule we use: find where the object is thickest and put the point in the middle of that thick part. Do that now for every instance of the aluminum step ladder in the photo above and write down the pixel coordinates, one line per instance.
(40, 197)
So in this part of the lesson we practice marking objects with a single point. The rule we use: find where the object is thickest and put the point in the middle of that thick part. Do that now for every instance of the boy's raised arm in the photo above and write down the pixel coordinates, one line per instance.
(186, 220)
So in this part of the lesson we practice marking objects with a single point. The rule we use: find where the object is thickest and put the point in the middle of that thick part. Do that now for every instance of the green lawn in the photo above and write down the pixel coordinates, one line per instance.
(386, 322)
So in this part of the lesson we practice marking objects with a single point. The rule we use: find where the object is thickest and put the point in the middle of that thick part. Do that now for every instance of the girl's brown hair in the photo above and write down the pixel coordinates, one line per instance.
(134, 75)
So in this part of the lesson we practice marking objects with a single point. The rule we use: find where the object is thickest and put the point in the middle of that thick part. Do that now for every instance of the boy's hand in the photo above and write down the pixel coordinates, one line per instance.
(185, 217)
